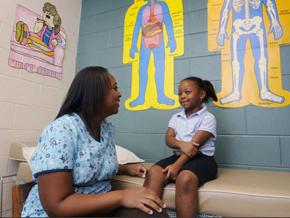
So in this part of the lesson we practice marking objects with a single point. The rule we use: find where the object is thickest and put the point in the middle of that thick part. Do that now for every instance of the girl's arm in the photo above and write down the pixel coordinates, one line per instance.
(198, 139)
(189, 148)
(58, 198)
(171, 141)
(173, 169)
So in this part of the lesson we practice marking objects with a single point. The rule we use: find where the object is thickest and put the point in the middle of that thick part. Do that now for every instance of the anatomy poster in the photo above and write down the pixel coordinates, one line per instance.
(249, 34)
(38, 41)
(153, 37)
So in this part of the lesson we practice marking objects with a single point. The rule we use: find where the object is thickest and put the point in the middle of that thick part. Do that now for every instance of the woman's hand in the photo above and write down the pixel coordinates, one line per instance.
(142, 199)
(136, 170)
(172, 170)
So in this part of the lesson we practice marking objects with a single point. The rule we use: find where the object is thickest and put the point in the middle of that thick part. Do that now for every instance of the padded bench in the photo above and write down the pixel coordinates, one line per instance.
(236, 192)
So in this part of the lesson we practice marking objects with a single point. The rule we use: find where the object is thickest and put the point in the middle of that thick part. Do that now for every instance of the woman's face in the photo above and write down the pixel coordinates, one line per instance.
(112, 101)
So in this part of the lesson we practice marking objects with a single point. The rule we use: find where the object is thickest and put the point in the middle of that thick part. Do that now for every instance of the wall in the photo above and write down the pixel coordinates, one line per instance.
(29, 101)
(249, 137)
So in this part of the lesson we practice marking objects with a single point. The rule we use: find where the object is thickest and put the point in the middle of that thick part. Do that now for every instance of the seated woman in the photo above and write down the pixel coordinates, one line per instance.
(75, 158)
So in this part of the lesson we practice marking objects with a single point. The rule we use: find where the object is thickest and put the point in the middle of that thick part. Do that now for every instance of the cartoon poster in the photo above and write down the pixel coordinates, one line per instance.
(38, 42)
(249, 34)
(153, 36)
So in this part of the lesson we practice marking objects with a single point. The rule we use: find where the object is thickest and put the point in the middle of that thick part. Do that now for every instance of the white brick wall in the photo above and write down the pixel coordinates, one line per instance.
(29, 101)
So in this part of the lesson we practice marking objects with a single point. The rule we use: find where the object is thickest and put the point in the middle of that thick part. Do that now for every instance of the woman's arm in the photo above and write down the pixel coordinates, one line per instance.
(58, 198)
(132, 169)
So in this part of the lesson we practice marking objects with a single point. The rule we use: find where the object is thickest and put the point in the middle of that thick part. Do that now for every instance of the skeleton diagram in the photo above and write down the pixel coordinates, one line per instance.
(248, 24)
(151, 18)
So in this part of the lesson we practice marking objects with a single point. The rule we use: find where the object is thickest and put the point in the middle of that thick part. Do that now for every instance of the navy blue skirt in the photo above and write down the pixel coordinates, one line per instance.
(203, 166)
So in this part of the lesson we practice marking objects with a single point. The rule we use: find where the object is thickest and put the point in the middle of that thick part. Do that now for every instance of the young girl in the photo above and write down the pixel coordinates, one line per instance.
(191, 134)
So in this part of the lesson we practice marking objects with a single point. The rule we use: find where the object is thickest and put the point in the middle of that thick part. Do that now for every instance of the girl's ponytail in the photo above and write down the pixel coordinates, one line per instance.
(210, 92)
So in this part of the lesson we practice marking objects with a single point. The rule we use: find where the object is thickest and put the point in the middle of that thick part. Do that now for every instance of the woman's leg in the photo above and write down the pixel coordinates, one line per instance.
(186, 197)
(136, 213)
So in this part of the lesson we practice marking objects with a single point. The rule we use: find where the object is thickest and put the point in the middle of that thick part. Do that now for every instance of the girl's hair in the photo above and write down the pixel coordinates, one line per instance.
(51, 9)
(87, 94)
(204, 85)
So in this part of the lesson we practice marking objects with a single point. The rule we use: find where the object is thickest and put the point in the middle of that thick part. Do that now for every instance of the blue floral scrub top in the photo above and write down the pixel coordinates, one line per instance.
(66, 145)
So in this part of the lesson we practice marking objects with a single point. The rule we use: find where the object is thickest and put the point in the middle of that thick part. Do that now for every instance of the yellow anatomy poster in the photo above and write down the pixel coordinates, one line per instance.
(249, 34)
(153, 36)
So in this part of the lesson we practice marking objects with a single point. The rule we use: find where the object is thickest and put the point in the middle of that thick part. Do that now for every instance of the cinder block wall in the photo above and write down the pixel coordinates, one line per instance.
(29, 101)
(250, 137)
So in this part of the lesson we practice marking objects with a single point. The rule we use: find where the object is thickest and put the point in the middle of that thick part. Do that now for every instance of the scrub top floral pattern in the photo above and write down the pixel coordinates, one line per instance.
(66, 145)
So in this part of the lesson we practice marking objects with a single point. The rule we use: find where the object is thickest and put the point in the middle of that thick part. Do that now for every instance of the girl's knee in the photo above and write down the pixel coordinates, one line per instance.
(187, 180)
(154, 171)
(154, 177)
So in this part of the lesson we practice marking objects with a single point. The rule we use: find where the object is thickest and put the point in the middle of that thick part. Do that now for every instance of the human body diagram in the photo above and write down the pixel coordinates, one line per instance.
(249, 37)
(152, 42)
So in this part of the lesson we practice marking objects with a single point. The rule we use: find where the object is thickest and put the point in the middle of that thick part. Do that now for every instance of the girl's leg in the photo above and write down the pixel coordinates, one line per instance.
(186, 198)
(155, 180)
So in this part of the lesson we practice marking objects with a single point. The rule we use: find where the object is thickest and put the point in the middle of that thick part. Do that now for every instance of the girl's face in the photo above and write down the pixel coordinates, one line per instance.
(112, 101)
(190, 96)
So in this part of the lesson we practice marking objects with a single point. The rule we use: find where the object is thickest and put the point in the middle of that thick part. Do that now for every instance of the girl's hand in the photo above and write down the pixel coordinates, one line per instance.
(136, 170)
(189, 148)
(171, 171)
(142, 199)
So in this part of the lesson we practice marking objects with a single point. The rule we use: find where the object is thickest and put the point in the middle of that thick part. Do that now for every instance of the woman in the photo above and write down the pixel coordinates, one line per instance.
(75, 158)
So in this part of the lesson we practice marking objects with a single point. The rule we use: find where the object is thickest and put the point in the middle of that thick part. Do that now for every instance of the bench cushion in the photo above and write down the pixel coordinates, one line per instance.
(236, 192)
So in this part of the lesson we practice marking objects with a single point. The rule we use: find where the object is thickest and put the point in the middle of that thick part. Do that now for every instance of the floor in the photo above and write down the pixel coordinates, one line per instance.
(172, 214)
